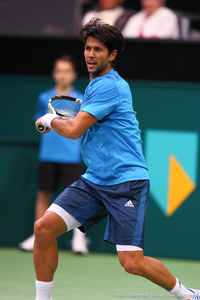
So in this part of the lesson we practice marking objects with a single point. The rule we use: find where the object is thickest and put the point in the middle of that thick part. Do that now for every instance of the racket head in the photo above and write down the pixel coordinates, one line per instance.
(64, 106)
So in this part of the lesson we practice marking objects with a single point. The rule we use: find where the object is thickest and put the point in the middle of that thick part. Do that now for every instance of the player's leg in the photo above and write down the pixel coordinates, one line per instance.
(134, 262)
(73, 204)
(131, 213)
(45, 252)
(125, 228)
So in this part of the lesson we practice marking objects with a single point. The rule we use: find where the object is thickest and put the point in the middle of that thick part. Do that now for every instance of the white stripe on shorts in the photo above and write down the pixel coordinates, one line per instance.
(69, 220)
(128, 248)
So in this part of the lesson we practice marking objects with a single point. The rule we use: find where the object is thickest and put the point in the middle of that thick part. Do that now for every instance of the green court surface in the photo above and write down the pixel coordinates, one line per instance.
(92, 277)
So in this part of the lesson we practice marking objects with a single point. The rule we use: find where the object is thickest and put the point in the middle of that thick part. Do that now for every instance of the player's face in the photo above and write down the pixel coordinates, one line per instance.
(109, 4)
(64, 74)
(151, 5)
(97, 58)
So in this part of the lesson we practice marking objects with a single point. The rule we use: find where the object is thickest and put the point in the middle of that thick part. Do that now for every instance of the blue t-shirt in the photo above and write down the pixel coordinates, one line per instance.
(53, 147)
(112, 147)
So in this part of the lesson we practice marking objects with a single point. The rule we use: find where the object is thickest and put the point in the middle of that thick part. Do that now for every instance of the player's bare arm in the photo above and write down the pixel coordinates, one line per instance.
(71, 128)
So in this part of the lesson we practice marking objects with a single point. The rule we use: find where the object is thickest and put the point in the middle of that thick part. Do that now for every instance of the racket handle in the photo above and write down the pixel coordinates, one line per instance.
(41, 128)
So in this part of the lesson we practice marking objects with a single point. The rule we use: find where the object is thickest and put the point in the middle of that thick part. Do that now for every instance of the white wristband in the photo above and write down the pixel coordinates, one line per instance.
(47, 119)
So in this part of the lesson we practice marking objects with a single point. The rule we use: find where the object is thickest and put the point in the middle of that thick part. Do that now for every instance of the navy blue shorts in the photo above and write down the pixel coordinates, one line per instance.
(124, 203)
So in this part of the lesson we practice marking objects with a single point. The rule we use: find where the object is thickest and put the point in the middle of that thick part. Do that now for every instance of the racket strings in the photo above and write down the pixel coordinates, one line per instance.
(66, 107)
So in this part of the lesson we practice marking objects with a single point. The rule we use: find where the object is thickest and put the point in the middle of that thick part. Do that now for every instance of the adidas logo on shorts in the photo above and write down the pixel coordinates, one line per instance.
(129, 204)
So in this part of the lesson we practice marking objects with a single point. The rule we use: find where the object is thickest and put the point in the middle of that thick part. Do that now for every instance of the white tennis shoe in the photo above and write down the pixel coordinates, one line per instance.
(27, 245)
(196, 294)
(79, 242)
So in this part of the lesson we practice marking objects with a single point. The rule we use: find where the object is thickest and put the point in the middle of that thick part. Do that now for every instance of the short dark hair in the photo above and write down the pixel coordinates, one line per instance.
(109, 35)
(67, 58)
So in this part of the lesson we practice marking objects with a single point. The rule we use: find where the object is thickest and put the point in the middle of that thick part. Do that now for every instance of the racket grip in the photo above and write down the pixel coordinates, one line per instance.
(41, 128)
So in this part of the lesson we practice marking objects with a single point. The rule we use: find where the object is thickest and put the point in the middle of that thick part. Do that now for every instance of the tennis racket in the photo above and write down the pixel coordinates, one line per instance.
(63, 106)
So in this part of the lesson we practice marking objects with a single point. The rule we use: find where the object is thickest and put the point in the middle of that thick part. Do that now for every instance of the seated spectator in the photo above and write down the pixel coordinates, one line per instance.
(111, 12)
(153, 21)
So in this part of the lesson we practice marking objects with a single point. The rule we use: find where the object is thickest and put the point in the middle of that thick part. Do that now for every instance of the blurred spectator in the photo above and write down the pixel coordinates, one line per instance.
(111, 12)
(195, 26)
(153, 21)
(59, 157)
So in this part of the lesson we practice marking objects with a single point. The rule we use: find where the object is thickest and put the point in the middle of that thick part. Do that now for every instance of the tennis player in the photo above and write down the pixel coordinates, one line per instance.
(116, 182)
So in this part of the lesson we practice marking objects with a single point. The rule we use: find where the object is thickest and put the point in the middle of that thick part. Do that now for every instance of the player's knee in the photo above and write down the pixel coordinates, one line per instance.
(40, 231)
(133, 267)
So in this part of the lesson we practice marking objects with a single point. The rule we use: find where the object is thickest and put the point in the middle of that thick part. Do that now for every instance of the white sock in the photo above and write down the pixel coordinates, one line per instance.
(181, 292)
(43, 290)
